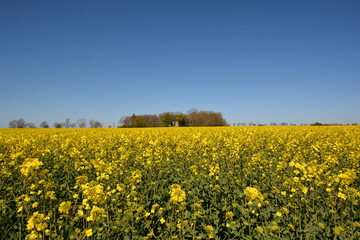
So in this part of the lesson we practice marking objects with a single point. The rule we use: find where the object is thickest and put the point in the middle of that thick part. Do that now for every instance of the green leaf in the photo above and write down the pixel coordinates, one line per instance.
(313, 229)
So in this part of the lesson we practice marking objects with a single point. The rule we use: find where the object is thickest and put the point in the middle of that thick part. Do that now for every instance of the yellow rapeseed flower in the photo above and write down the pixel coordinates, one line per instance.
(177, 194)
(88, 232)
(210, 231)
(229, 215)
(65, 207)
(338, 230)
(252, 194)
(29, 166)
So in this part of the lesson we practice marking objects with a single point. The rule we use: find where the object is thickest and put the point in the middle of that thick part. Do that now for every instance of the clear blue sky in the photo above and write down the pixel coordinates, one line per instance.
(254, 61)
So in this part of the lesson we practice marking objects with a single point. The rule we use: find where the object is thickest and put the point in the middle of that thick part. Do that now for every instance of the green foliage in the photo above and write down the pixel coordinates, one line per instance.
(139, 121)
(166, 119)
(181, 120)
(193, 118)
(317, 124)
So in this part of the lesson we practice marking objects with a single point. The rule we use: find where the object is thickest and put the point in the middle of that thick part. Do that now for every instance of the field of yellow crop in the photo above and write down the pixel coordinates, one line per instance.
(180, 183)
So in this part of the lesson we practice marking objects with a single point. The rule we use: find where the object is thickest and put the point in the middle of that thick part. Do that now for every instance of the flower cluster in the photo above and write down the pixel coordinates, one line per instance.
(252, 194)
(177, 194)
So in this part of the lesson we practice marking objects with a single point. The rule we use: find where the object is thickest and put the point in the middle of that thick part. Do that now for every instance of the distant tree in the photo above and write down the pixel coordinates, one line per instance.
(166, 119)
(205, 118)
(95, 124)
(44, 124)
(58, 125)
(21, 123)
(126, 121)
(30, 125)
(121, 122)
(181, 119)
(98, 124)
(192, 115)
(283, 124)
(152, 120)
(13, 124)
(317, 124)
(82, 123)
(133, 118)
(73, 125)
(139, 122)
(146, 120)
(273, 124)
(67, 123)
(92, 123)
(251, 124)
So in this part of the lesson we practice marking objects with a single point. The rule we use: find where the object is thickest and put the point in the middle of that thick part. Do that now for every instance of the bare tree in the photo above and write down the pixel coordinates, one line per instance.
(95, 124)
(67, 123)
(98, 124)
(30, 125)
(205, 118)
(44, 124)
(13, 124)
(122, 121)
(82, 123)
(92, 123)
(193, 116)
(21, 123)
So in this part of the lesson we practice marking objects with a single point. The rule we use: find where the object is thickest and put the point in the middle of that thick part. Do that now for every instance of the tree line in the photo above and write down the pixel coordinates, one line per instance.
(193, 117)
(81, 123)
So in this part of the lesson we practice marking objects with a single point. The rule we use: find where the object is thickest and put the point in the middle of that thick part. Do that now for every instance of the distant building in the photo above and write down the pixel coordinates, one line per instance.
(174, 123)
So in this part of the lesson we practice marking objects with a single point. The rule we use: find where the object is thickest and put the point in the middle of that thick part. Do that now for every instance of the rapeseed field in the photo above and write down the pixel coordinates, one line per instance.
(180, 183)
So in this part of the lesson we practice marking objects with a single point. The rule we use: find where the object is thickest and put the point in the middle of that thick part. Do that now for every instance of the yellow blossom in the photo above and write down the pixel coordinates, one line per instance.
(30, 165)
(229, 215)
(338, 230)
(88, 232)
(252, 194)
(341, 195)
(65, 207)
(210, 231)
(177, 195)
